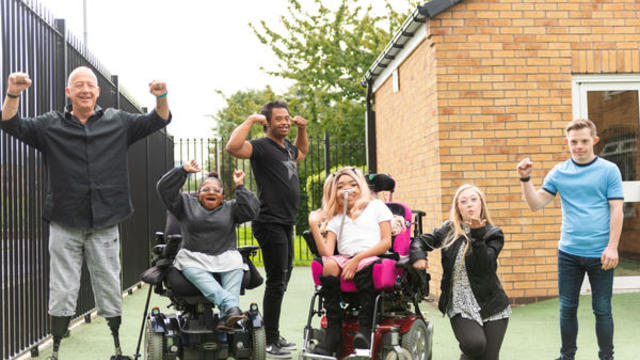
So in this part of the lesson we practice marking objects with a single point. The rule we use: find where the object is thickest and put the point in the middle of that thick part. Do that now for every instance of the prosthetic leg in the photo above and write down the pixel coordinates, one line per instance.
(59, 327)
(114, 325)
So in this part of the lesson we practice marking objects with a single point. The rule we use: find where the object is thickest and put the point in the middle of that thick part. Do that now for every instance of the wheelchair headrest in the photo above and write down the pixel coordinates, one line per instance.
(381, 182)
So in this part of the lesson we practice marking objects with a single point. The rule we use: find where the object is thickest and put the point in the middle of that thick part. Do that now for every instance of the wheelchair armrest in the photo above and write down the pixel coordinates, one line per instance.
(390, 255)
(311, 243)
(403, 263)
(248, 250)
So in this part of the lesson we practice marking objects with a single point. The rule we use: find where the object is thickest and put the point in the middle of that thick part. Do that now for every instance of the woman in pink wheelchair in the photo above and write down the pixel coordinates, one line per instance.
(471, 293)
(360, 231)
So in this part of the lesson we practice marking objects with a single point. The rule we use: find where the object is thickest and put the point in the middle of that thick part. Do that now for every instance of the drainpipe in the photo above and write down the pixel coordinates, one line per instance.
(370, 131)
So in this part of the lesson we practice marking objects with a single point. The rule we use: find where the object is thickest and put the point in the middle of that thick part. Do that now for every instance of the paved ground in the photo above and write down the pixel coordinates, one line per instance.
(533, 331)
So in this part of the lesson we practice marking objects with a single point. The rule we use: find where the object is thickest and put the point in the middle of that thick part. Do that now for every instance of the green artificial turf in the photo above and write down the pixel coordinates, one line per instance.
(533, 331)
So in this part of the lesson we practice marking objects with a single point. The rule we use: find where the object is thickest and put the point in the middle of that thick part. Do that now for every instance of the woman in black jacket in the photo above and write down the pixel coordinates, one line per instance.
(471, 293)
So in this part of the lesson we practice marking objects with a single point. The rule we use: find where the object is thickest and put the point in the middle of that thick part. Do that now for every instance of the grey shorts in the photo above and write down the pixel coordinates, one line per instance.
(101, 250)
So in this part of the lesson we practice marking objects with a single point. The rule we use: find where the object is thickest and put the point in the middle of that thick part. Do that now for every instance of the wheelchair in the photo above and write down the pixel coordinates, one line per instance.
(191, 333)
(399, 330)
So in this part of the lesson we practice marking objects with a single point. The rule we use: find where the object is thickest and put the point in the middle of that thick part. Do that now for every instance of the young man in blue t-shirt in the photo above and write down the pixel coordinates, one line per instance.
(591, 191)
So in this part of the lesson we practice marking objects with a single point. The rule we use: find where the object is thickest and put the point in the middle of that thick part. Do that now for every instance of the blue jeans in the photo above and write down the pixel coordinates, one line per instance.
(571, 270)
(226, 296)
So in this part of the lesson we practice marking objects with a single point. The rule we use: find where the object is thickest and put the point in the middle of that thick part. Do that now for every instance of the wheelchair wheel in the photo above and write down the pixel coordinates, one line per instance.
(152, 344)
(418, 341)
(259, 343)
(402, 355)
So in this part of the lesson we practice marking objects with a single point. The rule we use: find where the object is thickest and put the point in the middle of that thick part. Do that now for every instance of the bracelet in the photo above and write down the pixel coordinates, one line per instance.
(525, 179)
(163, 95)
(12, 96)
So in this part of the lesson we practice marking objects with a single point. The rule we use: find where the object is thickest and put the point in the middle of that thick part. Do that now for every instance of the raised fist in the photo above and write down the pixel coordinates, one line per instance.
(300, 121)
(258, 118)
(525, 166)
(157, 88)
(18, 82)
(238, 177)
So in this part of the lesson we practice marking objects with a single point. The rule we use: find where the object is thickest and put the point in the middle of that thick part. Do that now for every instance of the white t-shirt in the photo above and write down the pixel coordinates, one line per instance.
(362, 233)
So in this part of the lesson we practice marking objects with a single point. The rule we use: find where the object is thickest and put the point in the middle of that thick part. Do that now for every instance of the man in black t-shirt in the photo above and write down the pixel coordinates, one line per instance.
(273, 161)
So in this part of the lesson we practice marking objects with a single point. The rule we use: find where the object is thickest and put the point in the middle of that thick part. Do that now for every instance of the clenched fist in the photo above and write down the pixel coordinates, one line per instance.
(300, 121)
(158, 88)
(258, 118)
(525, 166)
(18, 82)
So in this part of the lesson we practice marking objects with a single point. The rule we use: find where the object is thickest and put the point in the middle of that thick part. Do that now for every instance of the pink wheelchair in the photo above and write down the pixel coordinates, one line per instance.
(399, 330)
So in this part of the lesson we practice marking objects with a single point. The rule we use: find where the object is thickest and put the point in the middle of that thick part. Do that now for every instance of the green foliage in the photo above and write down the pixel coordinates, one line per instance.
(238, 107)
(326, 52)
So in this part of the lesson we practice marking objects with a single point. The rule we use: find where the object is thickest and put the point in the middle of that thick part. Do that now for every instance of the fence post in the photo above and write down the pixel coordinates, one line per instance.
(116, 85)
(61, 63)
(327, 154)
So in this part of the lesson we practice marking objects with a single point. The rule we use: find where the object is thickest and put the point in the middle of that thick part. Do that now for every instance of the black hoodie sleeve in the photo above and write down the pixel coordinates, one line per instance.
(245, 206)
(427, 242)
(486, 242)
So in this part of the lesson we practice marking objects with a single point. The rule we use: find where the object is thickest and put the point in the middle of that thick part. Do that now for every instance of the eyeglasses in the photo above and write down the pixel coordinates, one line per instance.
(215, 190)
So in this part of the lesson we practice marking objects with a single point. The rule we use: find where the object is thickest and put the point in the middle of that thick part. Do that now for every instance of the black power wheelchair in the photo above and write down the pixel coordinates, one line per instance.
(191, 333)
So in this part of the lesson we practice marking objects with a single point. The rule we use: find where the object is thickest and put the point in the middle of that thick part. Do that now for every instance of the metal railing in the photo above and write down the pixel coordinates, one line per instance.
(33, 42)
(324, 157)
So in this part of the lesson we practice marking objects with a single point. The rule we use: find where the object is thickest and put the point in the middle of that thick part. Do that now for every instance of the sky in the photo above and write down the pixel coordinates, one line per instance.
(196, 46)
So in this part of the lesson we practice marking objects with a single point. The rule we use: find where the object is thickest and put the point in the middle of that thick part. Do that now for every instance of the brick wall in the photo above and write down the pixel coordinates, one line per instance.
(502, 70)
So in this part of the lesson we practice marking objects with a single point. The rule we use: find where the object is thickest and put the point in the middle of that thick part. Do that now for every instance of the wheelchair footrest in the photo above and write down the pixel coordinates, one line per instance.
(359, 354)
(305, 355)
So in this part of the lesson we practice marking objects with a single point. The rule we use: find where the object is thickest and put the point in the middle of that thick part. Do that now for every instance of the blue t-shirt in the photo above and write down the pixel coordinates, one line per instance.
(585, 190)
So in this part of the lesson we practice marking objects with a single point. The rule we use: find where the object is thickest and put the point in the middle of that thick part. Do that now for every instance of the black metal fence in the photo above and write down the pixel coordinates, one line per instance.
(323, 158)
(33, 42)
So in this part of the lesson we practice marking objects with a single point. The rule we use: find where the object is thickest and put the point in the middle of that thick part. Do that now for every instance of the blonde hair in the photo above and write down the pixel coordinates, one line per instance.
(455, 216)
(332, 203)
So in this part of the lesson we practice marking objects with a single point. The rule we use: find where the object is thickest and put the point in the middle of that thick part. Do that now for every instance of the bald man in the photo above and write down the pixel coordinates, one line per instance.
(85, 152)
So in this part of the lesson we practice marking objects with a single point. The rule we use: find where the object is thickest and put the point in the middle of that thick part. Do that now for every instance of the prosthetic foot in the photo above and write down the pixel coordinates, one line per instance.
(114, 325)
(59, 326)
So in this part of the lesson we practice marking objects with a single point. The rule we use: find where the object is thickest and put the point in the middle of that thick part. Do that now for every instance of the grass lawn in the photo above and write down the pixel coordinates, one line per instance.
(533, 331)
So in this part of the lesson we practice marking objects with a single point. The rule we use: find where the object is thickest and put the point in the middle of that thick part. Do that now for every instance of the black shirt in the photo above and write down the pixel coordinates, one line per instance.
(207, 231)
(87, 166)
(276, 173)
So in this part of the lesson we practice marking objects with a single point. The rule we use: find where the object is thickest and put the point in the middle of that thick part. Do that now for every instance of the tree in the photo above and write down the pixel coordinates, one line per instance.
(327, 53)
(238, 107)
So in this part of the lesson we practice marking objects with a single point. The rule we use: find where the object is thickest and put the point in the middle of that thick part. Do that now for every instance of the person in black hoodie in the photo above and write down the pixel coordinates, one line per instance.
(471, 293)
(207, 224)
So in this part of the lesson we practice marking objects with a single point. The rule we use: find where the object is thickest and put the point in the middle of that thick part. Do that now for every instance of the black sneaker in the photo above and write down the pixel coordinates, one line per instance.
(284, 344)
(275, 352)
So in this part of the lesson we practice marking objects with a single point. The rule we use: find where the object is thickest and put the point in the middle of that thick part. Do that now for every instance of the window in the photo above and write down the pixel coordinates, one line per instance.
(612, 102)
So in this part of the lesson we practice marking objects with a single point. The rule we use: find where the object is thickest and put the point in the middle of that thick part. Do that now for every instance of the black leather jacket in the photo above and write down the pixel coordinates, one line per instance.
(480, 261)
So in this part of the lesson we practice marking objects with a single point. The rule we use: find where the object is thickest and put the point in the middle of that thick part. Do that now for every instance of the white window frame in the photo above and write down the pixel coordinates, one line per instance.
(581, 84)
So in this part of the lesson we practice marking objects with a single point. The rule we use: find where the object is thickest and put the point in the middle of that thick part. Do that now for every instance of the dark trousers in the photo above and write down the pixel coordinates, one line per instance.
(479, 342)
(276, 242)
(571, 271)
